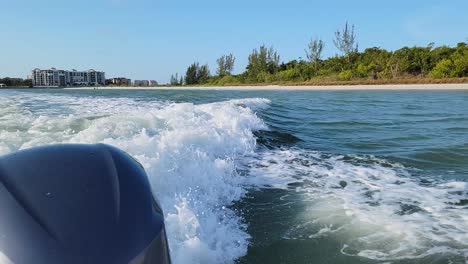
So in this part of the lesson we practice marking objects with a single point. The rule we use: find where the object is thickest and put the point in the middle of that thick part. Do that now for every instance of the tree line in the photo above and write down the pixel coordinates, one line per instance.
(18, 82)
(264, 65)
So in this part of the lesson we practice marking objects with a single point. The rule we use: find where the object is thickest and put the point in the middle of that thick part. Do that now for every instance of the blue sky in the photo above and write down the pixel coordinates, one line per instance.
(151, 39)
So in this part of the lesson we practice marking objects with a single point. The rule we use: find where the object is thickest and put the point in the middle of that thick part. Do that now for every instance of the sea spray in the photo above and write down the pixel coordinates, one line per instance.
(202, 158)
(188, 151)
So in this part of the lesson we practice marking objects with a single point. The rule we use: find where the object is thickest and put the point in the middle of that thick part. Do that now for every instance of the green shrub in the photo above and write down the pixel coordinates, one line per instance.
(443, 69)
(228, 80)
(460, 64)
(346, 75)
(287, 75)
(362, 70)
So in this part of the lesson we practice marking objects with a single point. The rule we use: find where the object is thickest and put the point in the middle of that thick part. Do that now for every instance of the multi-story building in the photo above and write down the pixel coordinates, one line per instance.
(61, 78)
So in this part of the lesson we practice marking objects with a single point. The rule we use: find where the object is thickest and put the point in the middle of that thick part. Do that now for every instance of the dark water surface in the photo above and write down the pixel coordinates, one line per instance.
(335, 177)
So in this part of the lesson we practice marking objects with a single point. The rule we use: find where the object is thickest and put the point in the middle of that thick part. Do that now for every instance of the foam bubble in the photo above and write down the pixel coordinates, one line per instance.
(189, 152)
(377, 208)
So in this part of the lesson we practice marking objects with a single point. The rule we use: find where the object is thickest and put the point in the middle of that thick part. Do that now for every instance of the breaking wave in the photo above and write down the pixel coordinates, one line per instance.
(203, 158)
(188, 151)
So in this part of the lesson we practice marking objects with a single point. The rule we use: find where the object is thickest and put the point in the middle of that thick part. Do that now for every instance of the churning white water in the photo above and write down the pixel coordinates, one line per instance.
(193, 154)
(187, 150)
(372, 205)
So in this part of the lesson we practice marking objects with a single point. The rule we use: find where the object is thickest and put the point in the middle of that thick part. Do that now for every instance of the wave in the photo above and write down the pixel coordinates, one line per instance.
(274, 139)
(202, 159)
(375, 207)
(188, 151)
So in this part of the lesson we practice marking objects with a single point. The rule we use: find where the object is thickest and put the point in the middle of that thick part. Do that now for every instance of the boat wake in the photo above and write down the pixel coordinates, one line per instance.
(187, 150)
(375, 207)
(203, 158)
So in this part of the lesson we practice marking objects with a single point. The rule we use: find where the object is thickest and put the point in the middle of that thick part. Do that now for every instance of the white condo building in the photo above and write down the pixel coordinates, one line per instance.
(61, 78)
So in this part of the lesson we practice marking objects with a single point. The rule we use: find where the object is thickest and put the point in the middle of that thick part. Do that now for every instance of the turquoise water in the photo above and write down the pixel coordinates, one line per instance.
(279, 176)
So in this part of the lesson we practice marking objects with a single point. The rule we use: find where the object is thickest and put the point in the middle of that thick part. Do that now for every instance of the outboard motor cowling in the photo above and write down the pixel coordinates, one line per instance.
(78, 204)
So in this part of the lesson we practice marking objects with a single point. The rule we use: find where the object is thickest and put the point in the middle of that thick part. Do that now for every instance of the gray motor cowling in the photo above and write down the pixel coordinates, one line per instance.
(78, 204)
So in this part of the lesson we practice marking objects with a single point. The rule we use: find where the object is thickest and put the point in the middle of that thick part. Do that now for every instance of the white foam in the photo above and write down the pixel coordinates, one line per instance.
(188, 151)
(191, 153)
(379, 209)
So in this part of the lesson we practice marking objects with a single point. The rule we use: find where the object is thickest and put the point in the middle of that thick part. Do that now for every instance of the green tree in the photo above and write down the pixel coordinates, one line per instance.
(443, 69)
(439, 53)
(295, 71)
(398, 62)
(225, 65)
(197, 74)
(345, 41)
(221, 61)
(191, 75)
(420, 60)
(460, 60)
(314, 52)
(229, 64)
(28, 83)
(175, 80)
(372, 63)
(203, 74)
(16, 82)
(262, 62)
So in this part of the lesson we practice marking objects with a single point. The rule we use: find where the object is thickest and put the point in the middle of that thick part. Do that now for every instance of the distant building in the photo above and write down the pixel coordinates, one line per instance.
(145, 83)
(62, 78)
(141, 83)
(120, 81)
(2, 85)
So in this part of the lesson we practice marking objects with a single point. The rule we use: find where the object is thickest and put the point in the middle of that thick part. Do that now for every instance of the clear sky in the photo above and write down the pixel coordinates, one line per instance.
(151, 39)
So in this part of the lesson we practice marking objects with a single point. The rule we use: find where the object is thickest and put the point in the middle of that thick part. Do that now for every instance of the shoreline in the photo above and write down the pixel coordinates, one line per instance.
(381, 87)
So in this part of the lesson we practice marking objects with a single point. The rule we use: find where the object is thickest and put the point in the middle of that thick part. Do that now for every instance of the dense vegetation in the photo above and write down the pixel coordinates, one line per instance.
(16, 82)
(375, 63)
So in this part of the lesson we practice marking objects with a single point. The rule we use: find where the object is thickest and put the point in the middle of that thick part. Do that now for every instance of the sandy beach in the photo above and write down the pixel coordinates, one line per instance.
(402, 87)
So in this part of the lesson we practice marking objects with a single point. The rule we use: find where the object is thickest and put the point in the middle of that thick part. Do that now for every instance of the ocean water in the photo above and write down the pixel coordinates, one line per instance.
(279, 176)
